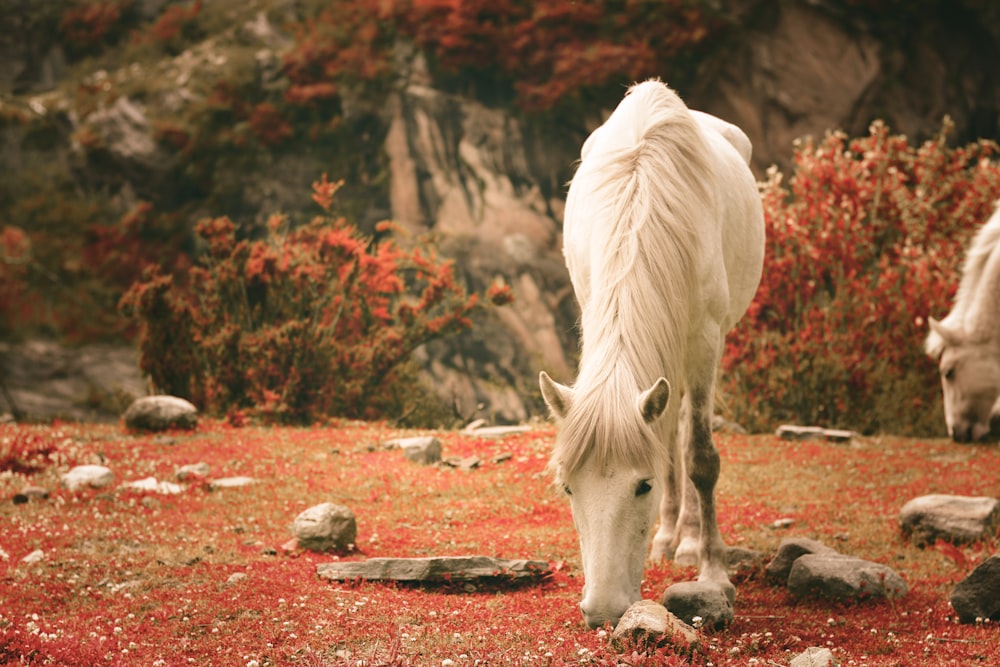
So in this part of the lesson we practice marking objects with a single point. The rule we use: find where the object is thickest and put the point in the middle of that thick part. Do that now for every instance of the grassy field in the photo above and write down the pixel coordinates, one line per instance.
(137, 578)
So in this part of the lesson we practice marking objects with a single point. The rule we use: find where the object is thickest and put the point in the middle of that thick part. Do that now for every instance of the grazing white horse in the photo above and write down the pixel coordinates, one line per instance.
(664, 241)
(966, 343)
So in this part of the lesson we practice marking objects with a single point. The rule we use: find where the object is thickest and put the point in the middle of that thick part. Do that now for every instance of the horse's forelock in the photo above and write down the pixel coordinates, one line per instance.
(605, 422)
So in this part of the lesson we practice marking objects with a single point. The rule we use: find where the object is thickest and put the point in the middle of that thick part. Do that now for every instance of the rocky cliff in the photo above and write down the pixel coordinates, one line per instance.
(490, 181)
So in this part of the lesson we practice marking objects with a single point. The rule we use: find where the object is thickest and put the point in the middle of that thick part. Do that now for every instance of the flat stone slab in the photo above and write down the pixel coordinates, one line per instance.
(434, 569)
(495, 432)
(795, 432)
(230, 482)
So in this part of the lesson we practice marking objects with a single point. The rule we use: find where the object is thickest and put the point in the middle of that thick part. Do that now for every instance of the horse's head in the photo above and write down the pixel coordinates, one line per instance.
(970, 383)
(614, 495)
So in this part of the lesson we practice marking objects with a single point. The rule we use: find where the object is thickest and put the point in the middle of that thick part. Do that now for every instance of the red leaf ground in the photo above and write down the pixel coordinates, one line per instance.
(136, 578)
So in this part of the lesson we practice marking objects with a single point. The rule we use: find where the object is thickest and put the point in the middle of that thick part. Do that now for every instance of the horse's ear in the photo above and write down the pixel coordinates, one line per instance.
(558, 397)
(653, 401)
(951, 336)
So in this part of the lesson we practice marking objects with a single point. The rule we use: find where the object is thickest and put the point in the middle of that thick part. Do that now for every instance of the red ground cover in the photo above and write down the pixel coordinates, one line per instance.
(137, 578)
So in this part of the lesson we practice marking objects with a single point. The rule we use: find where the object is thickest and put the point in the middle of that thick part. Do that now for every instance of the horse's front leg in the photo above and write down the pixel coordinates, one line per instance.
(703, 465)
(678, 535)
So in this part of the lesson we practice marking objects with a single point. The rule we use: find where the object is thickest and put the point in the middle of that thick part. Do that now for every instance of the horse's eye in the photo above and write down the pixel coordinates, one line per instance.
(643, 488)
(567, 490)
(949, 374)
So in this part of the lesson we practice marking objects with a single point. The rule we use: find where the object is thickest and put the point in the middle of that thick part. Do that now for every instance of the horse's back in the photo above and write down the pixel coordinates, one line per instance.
(699, 164)
(740, 215)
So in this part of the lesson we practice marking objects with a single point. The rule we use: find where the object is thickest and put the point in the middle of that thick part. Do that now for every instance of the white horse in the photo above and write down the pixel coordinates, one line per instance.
(664, 241)
(966, 343)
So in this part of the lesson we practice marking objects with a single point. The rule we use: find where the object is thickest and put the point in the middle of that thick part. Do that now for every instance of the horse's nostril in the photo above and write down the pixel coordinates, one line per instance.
(962, 434)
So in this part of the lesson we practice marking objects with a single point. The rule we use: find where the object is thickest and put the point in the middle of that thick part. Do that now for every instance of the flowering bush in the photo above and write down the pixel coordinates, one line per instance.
(863, 246)
(553, 50)
(305, 323)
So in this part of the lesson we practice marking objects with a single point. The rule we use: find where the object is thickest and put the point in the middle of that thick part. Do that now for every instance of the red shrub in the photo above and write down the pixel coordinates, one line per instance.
(309, 322)
(863, 246)
(86, 25)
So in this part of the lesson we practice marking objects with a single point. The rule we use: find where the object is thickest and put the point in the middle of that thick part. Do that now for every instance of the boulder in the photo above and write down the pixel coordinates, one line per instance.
(647, 622)
(699, 603)
(92, 476)
(159, 413)
(326, 527)
(788, 551)
(955, 519)
(843, 578)
(977, 597)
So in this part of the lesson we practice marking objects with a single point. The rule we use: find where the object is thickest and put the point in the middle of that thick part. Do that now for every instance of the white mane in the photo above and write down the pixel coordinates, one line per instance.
(972, 308)
(631, 235)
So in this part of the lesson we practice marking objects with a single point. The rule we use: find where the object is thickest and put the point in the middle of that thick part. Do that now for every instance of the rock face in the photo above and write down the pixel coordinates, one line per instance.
(490, 183)
(977, 597)
(955, 519)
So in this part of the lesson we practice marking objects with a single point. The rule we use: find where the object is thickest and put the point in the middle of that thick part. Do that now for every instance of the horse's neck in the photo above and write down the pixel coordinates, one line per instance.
(982, 315)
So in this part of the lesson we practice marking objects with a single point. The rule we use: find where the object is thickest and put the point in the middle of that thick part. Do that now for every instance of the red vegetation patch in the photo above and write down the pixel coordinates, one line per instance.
(136, 578)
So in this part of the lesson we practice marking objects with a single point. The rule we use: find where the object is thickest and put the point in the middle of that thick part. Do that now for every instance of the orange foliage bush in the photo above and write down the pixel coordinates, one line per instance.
(309, 322)
(864, 243)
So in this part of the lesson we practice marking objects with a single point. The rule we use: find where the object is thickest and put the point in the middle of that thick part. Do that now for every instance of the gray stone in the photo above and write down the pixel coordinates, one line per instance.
(793, 432)
(494, 432)
(789, 550)
(650, 623)
(699, 603)
(154, 485)
(434, 570)
(326, 527)
(191, 471)
(977, 597)
(815, 656)
(158, 413)
(235, 578)
(467, 463)
(843, 578)
(420, 449)
(230, 482)
(955, 519)
(743, 563)
(93, 476)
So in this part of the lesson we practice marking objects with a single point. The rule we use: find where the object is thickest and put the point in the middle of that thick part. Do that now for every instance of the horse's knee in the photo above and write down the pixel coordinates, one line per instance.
(704, 465)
